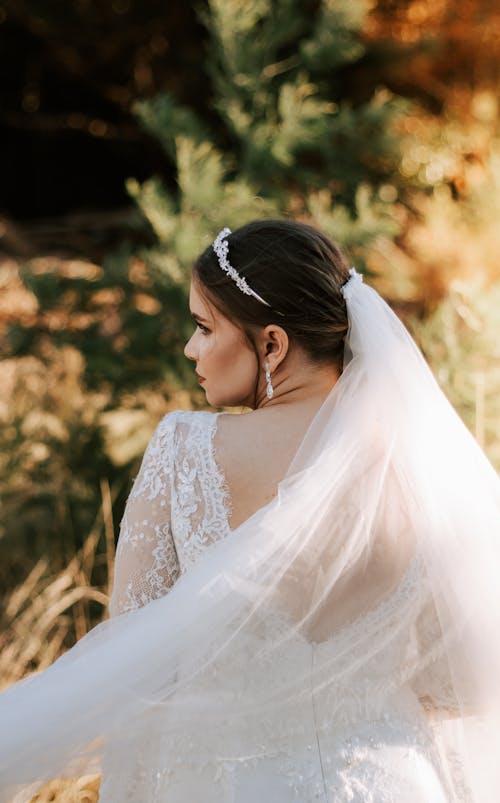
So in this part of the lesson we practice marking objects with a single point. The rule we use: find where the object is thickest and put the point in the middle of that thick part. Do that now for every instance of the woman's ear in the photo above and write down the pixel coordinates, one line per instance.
(275, 345)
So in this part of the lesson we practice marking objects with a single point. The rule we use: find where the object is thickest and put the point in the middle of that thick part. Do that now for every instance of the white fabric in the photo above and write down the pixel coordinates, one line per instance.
(296, 656)
(377, 760)
(178, 505)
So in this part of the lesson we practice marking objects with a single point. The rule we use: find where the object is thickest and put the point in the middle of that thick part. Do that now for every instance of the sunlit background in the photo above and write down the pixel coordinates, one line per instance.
(131, 133)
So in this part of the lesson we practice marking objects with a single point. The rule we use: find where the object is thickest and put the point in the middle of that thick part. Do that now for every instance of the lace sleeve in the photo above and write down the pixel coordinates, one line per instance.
(146, 559)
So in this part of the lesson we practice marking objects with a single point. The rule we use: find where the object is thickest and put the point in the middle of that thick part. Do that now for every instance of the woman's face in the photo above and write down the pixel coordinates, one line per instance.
(225, 361)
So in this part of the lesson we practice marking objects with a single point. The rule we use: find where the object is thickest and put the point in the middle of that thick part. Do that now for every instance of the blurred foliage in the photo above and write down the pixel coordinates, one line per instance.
(122, 318)
(51, 451)
(461, 341)
(90, 363)
(286, 140)
(443, 273)
(435, 50)
(96, 355)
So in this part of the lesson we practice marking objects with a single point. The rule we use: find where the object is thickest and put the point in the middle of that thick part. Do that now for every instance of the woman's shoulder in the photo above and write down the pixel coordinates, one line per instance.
(175, 429)
(201, 418)
(178, 423)
(174, 417)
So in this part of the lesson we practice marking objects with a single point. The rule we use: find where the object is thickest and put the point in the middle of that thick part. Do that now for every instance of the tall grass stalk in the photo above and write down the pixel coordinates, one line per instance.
(45, 614)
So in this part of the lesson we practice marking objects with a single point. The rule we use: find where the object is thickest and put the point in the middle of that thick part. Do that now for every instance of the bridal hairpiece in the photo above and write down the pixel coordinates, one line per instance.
(354, 279)
(221, 248)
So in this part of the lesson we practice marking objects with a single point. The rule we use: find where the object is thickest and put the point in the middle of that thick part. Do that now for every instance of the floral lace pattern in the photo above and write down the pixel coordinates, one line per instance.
(330, 748)
(200, 499)
(178, 505)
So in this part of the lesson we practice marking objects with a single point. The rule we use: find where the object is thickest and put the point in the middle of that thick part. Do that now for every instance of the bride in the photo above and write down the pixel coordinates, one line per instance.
(306, 601)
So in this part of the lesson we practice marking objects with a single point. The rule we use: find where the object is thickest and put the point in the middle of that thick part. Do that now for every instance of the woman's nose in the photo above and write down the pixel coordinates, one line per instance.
(188, 351)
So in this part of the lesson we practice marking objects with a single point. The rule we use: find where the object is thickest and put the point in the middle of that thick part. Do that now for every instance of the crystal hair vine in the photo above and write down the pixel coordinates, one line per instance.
(221, 248)
(354, 280)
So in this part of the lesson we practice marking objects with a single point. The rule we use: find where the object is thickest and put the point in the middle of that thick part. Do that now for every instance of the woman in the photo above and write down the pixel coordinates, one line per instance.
(306, 599)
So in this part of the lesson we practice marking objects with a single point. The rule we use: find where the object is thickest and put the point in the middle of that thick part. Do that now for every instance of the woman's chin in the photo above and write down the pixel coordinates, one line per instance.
(222, 400)
(213, 398)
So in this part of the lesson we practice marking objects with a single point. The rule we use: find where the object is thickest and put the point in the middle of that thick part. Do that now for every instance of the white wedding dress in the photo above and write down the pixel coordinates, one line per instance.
(178, 507)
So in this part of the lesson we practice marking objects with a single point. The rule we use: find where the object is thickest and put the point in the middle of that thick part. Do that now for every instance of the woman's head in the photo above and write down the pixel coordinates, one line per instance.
(299, 272)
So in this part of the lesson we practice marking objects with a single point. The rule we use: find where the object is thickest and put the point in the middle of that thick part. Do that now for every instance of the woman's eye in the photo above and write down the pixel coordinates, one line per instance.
(203, 329)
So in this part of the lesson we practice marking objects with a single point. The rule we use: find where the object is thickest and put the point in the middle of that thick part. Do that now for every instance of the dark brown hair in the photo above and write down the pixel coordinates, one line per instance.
(298, 270)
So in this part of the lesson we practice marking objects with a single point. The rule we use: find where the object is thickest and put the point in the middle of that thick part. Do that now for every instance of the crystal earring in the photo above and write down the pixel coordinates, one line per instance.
(269, 388)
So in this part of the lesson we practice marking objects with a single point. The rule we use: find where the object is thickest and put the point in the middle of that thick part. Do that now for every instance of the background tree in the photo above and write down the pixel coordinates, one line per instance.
(277, 134)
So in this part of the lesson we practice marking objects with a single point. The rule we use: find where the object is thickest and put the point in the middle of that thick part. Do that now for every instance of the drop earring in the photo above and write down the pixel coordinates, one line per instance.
(269, 384)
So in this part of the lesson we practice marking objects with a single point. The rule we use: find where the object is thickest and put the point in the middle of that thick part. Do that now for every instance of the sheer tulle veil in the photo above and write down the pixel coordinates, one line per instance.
(387, 495)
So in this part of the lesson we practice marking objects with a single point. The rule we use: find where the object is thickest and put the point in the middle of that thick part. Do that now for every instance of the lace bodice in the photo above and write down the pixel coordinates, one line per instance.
(179, 504)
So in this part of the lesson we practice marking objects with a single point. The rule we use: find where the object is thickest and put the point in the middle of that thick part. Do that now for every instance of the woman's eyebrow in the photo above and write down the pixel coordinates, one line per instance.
(198, 317)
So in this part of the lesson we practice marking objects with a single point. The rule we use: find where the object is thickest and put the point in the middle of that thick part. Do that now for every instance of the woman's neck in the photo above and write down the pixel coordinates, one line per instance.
(299, 382)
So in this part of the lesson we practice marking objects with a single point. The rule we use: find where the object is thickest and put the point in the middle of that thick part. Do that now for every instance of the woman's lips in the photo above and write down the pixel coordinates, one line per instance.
(201, 379)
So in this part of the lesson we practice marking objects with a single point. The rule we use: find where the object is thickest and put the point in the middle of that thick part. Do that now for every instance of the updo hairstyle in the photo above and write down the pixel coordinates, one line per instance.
(298, 270)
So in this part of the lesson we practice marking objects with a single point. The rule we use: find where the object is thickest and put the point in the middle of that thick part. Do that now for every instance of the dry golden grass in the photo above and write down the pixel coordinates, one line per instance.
(80, 790)
(43, 616)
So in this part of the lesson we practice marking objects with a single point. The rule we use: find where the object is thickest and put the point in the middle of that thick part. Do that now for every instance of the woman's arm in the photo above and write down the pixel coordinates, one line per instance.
(146, 559)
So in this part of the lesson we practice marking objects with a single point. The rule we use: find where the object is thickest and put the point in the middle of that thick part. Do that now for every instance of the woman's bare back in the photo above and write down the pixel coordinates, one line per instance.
(255, 450)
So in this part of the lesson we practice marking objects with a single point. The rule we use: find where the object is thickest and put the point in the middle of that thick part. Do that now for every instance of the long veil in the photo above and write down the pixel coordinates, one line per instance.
(379, 557)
